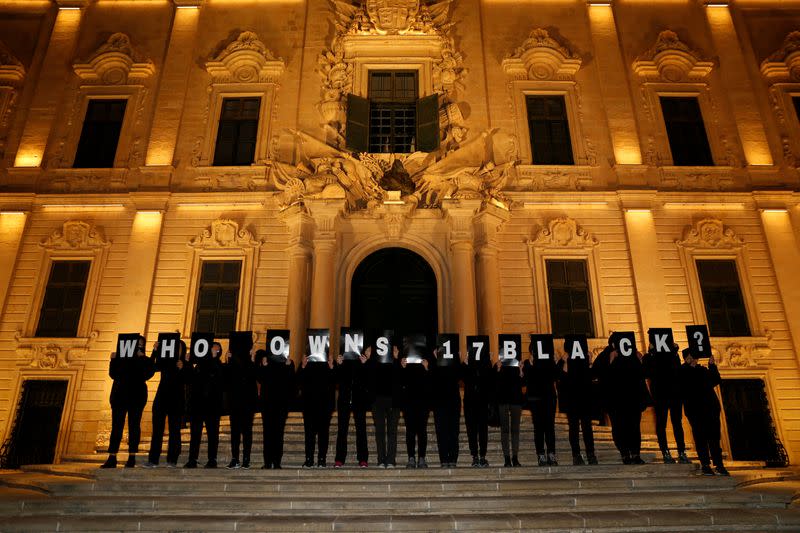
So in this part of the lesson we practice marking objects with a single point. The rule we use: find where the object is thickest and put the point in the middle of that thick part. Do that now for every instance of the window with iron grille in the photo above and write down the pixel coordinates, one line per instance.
(237, 132)
(218, 297)
(570, 298)
(722, 298)
(63, 299)
(549, 130)
(97, 147)
(686, 132)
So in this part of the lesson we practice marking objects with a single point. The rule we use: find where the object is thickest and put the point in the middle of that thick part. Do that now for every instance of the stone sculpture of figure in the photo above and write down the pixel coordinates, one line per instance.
(397, 179)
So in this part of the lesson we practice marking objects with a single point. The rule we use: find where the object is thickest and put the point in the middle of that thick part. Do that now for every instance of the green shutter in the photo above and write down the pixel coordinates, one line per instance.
(357, 132)
(428, 123)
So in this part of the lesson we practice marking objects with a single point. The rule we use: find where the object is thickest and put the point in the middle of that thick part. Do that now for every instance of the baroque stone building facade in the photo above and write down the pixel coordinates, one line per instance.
(475, 193)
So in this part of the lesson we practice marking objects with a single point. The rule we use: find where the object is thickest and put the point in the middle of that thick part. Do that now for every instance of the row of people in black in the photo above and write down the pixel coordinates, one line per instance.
(250, 381)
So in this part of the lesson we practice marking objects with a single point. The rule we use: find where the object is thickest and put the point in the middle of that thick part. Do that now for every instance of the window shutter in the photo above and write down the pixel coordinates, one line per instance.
(428, 123)
(357, 132)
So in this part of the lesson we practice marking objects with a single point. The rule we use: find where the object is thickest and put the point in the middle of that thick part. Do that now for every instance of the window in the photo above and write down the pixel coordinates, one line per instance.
(63, 299)
(237, 132)
(722, 298)
(570, 299)
(688, 141)
(218, 299)
(97, 146)
(392, 119)
(549, 130)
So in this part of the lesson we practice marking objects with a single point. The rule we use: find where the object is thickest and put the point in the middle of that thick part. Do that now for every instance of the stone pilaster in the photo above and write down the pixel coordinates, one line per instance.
(487, 223)
(323, 285)
(300, 252)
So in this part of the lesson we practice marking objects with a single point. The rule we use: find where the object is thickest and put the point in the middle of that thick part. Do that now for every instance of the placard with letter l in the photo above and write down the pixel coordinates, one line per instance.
(510, 349)
(542, 347)
(277, 345)
(699, 341)
(478, 350)
(447, 349)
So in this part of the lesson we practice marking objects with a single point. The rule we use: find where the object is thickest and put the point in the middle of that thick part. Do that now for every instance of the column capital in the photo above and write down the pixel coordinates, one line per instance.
(459, 215)
(325, 214)
(487, 223)
(300, 225)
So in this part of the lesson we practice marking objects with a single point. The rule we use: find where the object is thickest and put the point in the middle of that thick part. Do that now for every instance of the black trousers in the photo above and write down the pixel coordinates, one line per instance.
(510, 415)
(416, 419)
(211, 422)
(170, 413)
(626, 429)
(273, 420)
(343, 421)
(447, 420)
(241, 432)
(706, 431)
(581, 423)
(673, 408)
(316, 426)
(118, 414)
(543, 414)
(476, 418)
(385, 417)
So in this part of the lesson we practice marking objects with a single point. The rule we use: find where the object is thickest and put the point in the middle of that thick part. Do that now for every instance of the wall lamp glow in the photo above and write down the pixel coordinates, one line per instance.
(82, 207)
(69, 8)
(704, 205)
(187, 7)
(642, 210)
(565, 204)
(717, 4)
(775, 210)
(235, 205)
(13, 213)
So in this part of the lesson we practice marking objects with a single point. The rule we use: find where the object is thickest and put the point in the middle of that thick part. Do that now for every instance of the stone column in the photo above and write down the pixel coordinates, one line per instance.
(172, 85)
(12, 227)
(459, 215)
(50, 85)
(143, 246)
(487, 223)
(614, 85)
(648, 276)
(323, 285)
(738, 86)
(299, 251)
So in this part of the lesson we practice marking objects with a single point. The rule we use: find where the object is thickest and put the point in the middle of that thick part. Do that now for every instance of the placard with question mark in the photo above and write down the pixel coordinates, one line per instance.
(699, 343)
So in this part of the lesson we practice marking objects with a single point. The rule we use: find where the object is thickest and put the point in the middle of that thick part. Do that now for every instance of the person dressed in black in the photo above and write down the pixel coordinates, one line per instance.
(128, 398)
(277, 388)
(625, 394)
(386, 408)
(447, 408)
(318, 397)
(243, 399)
(206, 387)
(355, 395)
(575, 399)
(662, 370)
(416, 409)
(540, 378)
(168, 406)
(697, 384)
(477, 395)
(509, 398)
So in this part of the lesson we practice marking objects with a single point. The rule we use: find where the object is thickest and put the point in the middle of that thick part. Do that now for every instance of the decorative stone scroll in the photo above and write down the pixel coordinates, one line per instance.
(563, 231)
(672, 61)
(736, 353)
(710, 233)
(115, 62)
(245, 60)
(76, 235)
(541, 57)
(224, 233)
(783, 66)
(52, 354)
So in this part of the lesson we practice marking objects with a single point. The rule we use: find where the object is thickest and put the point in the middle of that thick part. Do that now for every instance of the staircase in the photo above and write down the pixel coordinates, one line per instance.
(76, 496)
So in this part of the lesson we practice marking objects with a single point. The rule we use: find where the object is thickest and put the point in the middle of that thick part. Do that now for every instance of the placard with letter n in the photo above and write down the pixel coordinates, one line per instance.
(542, 347)
(624, 342)
(200, 345)
(661, 339)
(447, 349)
(699, 343)
(351, 343)
(318, 343)
(169, 348)
(277, 345)
(510, 349)
(577, 349)
(478, 350)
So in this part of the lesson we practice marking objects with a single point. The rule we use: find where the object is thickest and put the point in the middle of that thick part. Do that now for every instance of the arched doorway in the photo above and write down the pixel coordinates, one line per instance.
(394, 288)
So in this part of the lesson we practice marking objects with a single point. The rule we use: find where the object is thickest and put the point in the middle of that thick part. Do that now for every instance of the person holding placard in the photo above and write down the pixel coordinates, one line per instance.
(509, 397)
(388, 391)
(207, 381)
(575, 397)
(540, 378)
(240, 370)
(130, 368)
(277, 387)
(477, 375)
(697, 384)
(446, 376)
(355, 396)
(168, 405)
(416, 409)
(661, 365)
(318, 398)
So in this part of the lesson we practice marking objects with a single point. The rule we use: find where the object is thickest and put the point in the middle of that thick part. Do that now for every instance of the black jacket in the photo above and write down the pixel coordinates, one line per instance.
(317, 386)
(540, 379)
(277, 385)
(446, 388)
(170, 392)
(206, 385)
(622, 382)
(662, 369)
(575, 389)
(697, 390)
(355, 388)
(240, 373)
(129, 390)
(387, 380)
(508, 386)
(416, 382)
(478, 382)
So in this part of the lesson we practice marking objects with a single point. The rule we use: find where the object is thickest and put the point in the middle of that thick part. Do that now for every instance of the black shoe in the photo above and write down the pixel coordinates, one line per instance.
(577, 460)
(246, 464)
(191, 463)
(131, 462)
(626, 459)
(507, 463)
(515, 461)
(412, 463)
(309, 463)
(722, 471)
(551, 459)
(684, 459)
(322, 463)
(636, 460)
(212, 463)
(111, 462)
(234, 464)
(277, 466)
(475, 461)
(483, 462)
(591, 459)
(421, 463)
(266, 466)
(668, 460)
(706, 470)
(542, 460)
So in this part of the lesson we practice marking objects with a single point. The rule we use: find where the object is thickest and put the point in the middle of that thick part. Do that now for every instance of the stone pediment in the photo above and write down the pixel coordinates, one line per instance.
(671, 60)
(245, 60)
(115, 62)
(541, 57)
(784, 64)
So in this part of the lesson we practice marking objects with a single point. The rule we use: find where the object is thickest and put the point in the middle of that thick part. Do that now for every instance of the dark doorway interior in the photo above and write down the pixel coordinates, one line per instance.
(751, 431)
(394, 288)
(35, 433)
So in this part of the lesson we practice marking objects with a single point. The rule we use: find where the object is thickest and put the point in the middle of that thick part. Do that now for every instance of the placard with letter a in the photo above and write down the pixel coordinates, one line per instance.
(577, 349)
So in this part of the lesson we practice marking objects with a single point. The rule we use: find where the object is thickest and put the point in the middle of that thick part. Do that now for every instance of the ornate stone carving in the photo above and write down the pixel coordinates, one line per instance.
(564, 231)
(736, 353)
(224, 233)
(115, 62)
(541, 57)
(703, 179)
(710, 233)
(76, 235)
(12, 72)
(784, 64)
(245, 60)
(537, 178)
(671, 60)
(51, 354)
